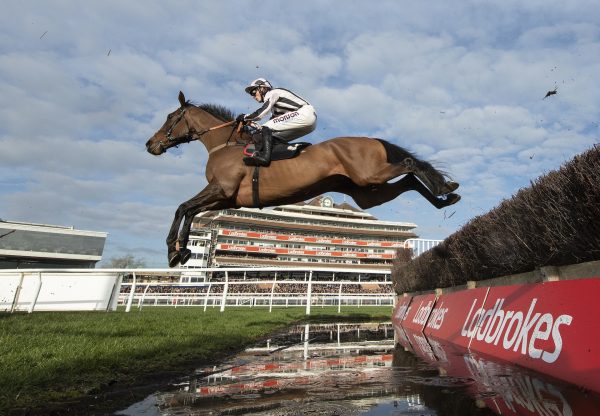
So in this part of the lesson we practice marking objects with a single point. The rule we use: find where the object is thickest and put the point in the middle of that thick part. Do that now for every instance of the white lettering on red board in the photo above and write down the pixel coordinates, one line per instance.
(401, 313)
(437, 317)
(422, 313)
(516, 330)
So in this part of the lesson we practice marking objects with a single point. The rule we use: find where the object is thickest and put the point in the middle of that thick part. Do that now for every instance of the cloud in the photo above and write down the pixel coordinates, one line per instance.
(461, 84)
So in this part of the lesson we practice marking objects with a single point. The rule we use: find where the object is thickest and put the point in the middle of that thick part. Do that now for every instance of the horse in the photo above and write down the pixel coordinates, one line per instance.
(360, 167)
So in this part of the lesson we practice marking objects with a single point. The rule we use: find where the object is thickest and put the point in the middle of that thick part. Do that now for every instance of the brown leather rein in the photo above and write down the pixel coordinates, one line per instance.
(192, 134)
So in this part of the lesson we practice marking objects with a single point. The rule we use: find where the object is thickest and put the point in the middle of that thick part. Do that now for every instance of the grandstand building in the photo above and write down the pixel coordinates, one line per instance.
(27, 245)
(316, 233)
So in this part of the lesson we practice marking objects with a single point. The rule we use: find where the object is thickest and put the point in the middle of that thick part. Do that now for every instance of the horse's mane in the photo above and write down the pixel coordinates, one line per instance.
(218, 111)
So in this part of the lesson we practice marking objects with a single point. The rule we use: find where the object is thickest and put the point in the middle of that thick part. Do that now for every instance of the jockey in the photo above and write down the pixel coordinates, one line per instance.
(291, 117)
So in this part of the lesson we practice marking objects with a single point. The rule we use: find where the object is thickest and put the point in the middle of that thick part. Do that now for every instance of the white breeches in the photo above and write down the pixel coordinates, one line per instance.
(294, 124)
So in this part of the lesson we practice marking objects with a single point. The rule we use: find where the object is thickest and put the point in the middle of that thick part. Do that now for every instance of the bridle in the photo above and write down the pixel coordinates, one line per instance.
(191, 134)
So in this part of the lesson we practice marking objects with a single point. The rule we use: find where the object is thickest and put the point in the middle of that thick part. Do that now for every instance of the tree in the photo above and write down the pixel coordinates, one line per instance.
(125, 262)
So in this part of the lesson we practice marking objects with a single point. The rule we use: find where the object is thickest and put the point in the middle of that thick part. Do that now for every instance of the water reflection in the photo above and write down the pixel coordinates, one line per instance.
(499, 386)
(364, 369)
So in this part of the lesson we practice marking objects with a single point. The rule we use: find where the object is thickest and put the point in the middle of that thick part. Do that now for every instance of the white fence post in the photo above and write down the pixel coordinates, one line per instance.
(17, 293)
(114, 296)
(272, 291)
(225, 288)
(309, 293)
(143, 296)
(37, 293)
(340, 299)
(131, 294)
(206, 297)
(306, 335)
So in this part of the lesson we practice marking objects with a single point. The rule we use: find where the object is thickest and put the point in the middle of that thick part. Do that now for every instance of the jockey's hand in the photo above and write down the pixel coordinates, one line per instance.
(241, 118)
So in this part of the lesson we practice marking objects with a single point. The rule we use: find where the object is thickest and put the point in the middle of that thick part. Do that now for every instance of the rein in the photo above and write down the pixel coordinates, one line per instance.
(192, 134)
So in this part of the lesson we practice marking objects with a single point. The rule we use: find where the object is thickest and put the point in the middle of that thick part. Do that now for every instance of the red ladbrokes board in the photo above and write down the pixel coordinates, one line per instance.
(517, 391)
(448, 315)
(418, 312)
(550, 327)
(400, 310)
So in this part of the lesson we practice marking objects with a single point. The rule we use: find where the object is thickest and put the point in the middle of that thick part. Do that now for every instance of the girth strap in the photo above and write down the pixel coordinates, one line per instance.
(255, 197)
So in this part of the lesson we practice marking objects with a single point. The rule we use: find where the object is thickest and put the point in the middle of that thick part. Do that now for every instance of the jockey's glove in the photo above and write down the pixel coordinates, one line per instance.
(240, 118)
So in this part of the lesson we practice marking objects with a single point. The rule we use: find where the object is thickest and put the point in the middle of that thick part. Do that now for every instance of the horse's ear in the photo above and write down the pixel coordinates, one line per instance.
(181, 99)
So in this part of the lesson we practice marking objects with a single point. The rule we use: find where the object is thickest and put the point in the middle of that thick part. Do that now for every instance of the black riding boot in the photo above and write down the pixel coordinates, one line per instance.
(263, 156)
(258, 146)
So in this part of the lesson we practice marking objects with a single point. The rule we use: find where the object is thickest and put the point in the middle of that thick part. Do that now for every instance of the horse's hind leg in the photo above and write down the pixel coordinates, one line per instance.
(370, 196)
(438, 202)
(388, 172)
(430, 177)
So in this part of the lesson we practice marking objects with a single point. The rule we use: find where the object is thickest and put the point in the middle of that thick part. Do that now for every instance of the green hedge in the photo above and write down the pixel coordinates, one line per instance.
(555, 221)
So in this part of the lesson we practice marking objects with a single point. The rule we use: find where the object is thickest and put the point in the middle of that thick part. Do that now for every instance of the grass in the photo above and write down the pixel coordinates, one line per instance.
(59, 356)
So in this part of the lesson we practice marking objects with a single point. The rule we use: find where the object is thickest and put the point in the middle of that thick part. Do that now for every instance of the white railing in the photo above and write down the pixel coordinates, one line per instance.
(420, 245)
(223, 294)
(103, 289)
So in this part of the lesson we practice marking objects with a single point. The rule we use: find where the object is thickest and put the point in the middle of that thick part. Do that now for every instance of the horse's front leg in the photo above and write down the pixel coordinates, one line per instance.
(207, 197)
(173, 254)
(221, 202)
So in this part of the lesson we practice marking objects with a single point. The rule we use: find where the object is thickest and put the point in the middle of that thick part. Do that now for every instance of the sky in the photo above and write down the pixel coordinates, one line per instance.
(83, 85)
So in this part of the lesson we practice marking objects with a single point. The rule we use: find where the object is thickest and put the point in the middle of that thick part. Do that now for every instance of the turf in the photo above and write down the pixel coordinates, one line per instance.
(59, 356)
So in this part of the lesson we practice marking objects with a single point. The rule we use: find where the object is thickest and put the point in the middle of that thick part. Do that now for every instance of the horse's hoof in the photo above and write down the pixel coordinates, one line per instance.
(450, 186)
(174, 258)
(452, 199)
(185, 254)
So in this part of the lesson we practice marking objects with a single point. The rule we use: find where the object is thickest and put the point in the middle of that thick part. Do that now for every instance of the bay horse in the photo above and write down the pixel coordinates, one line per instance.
(360, 167)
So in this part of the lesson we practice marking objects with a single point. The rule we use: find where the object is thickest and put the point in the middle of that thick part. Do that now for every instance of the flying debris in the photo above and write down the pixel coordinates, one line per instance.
(531, 157)
(551, 92)
(108, 54)
(449, 216)
(43, 34)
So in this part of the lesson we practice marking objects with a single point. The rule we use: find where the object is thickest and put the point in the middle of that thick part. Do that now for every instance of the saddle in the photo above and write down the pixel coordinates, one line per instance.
(281, 150)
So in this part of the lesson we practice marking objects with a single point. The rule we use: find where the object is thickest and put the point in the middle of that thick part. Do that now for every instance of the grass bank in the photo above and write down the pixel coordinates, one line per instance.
(48, 357)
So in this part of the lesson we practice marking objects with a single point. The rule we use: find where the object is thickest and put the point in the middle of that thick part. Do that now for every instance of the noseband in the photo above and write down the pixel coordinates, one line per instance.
(186, 138)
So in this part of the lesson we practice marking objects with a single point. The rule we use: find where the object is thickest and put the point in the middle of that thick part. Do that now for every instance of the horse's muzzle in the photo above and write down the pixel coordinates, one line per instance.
(154, 147)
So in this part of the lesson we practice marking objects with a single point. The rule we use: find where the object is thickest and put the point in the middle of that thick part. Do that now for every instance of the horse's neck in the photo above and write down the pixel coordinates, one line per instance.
(212, 139)
(217, 139)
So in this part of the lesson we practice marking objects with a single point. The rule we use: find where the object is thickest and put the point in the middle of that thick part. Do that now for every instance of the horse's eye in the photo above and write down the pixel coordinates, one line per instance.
(169, 116)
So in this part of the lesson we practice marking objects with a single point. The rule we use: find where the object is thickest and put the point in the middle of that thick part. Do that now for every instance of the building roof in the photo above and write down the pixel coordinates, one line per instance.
(336, 229)
(24, 240)
(313, 210)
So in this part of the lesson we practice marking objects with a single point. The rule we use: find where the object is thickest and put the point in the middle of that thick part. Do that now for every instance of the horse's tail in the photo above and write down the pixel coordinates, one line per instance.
(396, 154)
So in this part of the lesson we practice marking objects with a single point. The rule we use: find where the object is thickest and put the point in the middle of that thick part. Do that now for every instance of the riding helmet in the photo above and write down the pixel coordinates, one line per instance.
(259, 82)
